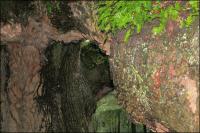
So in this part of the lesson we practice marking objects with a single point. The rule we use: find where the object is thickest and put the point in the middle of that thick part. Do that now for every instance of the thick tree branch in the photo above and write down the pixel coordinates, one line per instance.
(40, 33)
(40, 30)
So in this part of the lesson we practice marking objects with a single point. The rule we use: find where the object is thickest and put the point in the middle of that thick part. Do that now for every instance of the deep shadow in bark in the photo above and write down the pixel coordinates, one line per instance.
(68, 95)
(4, 83)
(17, 11)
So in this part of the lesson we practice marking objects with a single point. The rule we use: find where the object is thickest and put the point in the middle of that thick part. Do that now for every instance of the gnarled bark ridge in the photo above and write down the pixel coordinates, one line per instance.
(157, 78)
(26, 44)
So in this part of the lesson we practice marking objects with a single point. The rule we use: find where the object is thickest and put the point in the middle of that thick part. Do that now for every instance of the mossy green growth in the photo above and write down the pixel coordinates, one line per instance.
(141, 89)
(52, 6)
(108, 103)
(110, 117)
(117, 15)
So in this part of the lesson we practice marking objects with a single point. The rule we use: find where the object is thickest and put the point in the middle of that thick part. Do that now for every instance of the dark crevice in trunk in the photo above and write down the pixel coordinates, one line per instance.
(5, 73)
(73, 75)
(16, 11)
(133, 128)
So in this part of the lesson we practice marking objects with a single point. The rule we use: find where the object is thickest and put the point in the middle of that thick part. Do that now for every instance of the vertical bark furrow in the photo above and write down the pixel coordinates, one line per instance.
(77, 93)
(65, 90)
(24, 63)
(4, 83)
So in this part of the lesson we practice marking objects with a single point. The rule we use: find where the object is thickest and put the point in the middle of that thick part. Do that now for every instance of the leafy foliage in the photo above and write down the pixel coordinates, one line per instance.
(52, 5)
(116, 15)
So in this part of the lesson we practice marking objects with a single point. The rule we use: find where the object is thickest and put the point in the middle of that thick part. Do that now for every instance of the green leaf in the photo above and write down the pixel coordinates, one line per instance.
(177, 6)
(147, 5)
(157, 30)
(174, 15)
(189, 20)
(127, 35)
(194, 5)
(108, 27)
(118, 15)
(49, 8)
(139, 27)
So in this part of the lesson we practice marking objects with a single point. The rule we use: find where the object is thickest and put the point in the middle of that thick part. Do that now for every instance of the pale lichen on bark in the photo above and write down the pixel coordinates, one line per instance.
(169, 67)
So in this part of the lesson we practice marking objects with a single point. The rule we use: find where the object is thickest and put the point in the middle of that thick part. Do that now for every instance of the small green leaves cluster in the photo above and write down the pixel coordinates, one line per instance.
(117, 15)
(52, 5)
(194, 11)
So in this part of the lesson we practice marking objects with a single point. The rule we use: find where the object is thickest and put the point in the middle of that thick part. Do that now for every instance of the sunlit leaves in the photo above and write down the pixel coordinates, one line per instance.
(127, 35)
(194, 5)
(157, 30)
(117, 15)
(188, 21)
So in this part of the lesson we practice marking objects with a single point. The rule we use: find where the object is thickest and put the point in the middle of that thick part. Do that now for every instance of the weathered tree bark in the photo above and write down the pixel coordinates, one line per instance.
(166, 94)
(4, 79)
(61, 90)
(157, 78)
(21, 98)
(77, 98)
(23, 81)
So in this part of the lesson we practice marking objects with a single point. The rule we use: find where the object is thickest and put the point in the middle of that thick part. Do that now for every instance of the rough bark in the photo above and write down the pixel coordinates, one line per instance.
(170, 96)
(157, 78)
(68, 94)
(26, 44)
(77, 98)
(40, 28)
(18, 97)
(4, 81)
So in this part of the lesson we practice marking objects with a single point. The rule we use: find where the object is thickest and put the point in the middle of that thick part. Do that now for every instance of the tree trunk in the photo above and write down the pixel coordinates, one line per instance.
(67, 94)
(18, 102)
(157, 78)
(77, 96)
(23, 89)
